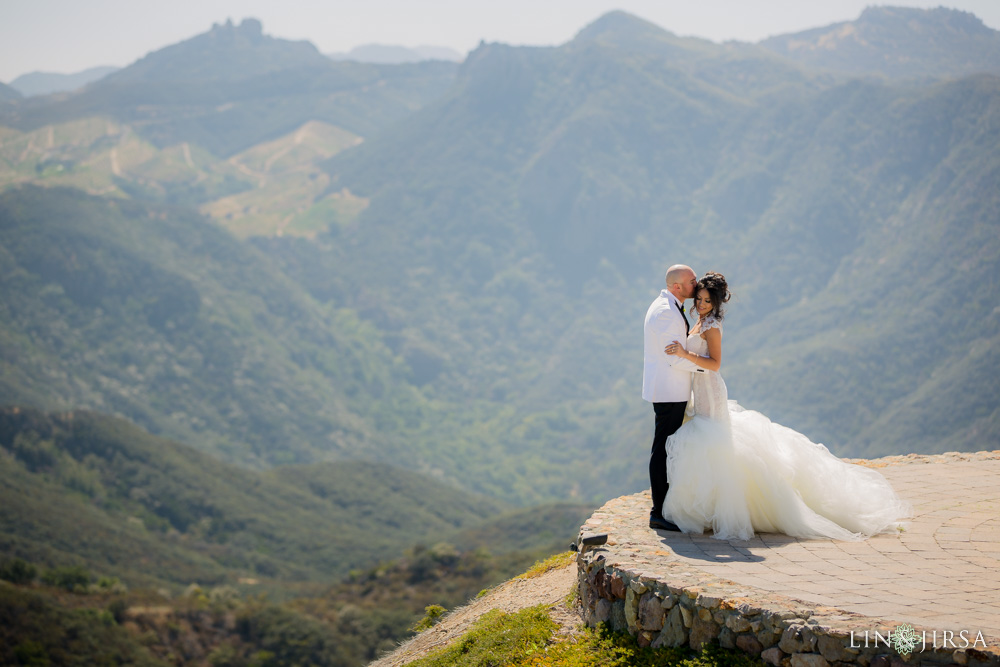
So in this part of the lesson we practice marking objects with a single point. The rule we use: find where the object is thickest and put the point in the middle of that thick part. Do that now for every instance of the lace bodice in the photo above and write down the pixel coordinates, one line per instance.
(709, 396)
(706, 324)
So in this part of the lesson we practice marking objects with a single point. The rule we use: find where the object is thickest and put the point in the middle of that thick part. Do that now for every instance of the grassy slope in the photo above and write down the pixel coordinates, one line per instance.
(103, 156)
(81, 488)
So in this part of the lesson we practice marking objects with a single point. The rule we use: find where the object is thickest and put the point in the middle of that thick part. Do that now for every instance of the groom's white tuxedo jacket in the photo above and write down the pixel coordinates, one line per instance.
(666, 378)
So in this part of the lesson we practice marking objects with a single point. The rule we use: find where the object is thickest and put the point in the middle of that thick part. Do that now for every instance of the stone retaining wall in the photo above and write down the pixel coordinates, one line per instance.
(692, 611)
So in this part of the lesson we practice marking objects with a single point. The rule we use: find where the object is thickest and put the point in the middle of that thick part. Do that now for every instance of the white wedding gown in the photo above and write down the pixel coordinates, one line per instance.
(736, 472)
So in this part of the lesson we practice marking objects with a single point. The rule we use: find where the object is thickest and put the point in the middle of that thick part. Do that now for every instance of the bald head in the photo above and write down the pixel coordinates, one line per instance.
(681, 281)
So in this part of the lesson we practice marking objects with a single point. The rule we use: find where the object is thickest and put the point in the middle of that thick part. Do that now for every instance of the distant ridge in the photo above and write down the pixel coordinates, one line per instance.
(226, 52)
(46, 83)
(238, 87)
(897, 42)
(622, 32)
(390, 54)
(620, 25)
(8, 93)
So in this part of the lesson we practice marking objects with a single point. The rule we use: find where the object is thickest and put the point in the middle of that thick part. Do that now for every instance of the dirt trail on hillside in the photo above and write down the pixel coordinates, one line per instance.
(550, 589)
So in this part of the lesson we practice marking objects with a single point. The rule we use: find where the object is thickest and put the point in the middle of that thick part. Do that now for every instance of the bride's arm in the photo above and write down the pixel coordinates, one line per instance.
(713, 361)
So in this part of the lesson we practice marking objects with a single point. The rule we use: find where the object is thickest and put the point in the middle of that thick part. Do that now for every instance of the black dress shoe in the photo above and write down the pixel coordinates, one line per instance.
(659, 523)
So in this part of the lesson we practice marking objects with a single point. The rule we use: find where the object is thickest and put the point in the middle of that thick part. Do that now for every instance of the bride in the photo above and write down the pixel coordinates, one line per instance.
(736, 472)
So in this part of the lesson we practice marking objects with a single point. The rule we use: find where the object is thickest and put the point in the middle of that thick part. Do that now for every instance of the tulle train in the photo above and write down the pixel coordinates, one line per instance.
(757, 476)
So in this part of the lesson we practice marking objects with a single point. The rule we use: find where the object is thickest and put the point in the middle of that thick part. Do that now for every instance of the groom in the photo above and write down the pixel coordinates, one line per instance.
(666, 379)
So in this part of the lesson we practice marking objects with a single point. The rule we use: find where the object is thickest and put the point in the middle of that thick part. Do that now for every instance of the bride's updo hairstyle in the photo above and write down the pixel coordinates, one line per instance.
(718, 290)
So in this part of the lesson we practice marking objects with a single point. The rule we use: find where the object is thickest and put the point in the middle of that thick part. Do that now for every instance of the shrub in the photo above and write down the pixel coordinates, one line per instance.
(18, 572)
(118, 608)
(432, 614)
(69, 577)
(31, 653)
(110, 585)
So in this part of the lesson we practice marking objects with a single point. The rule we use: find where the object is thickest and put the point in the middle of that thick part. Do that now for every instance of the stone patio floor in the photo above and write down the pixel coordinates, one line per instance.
(942, 572)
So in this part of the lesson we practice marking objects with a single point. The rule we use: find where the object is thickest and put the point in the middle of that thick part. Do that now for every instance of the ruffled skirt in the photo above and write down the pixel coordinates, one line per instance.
(757, 476)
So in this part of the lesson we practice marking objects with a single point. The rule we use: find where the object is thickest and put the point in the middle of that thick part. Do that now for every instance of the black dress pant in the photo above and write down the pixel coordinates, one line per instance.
(669, 417)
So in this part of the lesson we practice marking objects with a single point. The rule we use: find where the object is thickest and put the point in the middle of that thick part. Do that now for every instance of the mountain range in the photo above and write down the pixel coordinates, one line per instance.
(46, 83)
(628, 142)
(234, 87)
(278, 259)
(897, 42)
(518, 208)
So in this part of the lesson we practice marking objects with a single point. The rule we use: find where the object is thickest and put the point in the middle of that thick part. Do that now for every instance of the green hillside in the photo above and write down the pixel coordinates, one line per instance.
(292, 195)
(83, 489)
(275, 187)
(532, 530)
(348, 624)
(158, 315)
(105, 530)
(35, 629)
(104, 157)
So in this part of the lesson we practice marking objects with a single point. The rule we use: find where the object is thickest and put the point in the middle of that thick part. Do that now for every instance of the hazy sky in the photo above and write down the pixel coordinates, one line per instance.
(72, 35)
